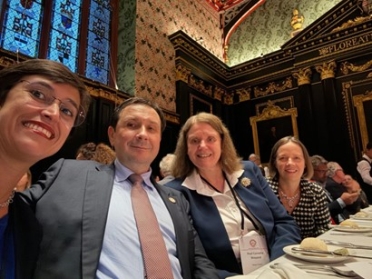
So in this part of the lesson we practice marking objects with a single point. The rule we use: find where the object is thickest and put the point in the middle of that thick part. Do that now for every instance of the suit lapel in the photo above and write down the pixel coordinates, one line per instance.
(98, 189)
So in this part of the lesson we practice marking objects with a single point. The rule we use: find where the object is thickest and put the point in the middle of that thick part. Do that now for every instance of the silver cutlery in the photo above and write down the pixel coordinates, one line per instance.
(346, 273)
(338, 253)
(347, 244)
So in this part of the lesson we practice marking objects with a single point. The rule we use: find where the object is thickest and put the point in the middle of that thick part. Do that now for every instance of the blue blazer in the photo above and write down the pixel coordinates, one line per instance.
(71, 202)
(280, 228)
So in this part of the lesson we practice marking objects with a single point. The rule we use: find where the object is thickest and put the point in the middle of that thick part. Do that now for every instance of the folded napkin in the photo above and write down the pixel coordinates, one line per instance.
(281, 271)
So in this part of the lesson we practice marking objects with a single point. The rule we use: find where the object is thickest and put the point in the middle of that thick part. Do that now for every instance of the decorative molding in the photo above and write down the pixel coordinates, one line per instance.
(228, 98)
(346, 87)
(244, 94)
(219, 93)
(326, 70)
(358, 101)
(108, 95)
(6, 61)
(303, 76)
(351, 23)
(273, 102)
(182, 73)
(273, 87)
(346, 66)
(271, 112)
(200, 85)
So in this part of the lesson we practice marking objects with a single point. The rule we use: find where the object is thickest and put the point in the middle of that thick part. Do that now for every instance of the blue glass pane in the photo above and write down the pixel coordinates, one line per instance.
(64, 49)
(101, 10)
(63, 43)
(21, 27)
(66, 17)
(98, 42)
(97, 66)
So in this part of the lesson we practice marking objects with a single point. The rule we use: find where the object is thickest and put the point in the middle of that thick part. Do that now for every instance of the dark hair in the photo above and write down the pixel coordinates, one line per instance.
(137, 101)
(52, 70)
(369, 145)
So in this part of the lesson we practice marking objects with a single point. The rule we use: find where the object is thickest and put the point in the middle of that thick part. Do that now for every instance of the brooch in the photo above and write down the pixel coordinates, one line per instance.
(245, 181)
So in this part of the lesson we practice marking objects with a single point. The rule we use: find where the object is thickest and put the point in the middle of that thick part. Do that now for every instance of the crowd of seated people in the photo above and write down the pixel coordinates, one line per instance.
(231, 200)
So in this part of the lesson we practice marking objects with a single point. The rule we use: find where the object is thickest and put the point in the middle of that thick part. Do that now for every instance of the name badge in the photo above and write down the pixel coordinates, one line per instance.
(253, 251)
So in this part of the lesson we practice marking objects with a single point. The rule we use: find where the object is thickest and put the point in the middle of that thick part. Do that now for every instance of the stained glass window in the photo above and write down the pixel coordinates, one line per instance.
(24, 26)
(21, 28)
(64, 34)
(97, 64)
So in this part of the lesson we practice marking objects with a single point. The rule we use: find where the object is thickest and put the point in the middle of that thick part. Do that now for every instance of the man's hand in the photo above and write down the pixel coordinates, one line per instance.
(349, 198)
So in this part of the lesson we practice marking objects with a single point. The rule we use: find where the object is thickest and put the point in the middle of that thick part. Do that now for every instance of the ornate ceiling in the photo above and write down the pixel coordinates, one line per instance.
(232, 13)
(224, 5)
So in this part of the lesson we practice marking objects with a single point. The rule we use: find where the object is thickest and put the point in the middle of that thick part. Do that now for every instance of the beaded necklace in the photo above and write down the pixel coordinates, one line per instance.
(290, 200)
(8, 201)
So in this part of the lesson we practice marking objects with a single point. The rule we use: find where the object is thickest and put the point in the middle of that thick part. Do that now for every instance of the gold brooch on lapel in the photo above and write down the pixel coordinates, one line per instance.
(245, 181)
(172, 200)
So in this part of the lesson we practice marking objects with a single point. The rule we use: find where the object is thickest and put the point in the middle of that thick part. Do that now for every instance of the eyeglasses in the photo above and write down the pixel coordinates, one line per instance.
(42, 95)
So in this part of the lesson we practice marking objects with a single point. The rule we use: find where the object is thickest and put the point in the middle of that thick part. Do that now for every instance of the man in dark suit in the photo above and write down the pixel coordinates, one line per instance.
(85, 209)
(346, 203)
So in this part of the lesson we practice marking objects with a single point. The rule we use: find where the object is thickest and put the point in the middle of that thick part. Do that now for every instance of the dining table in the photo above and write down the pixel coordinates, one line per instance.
(359, 261)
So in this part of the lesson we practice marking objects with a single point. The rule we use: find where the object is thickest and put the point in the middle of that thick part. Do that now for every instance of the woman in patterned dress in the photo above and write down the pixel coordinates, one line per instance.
(290, 168)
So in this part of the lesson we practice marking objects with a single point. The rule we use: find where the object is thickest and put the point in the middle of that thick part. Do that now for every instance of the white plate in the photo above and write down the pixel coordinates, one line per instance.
(369, 217)
(314, 258)
(352, 230)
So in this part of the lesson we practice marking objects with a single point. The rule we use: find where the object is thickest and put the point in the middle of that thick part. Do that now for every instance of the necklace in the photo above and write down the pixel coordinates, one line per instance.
(290, 200)
(8, 201)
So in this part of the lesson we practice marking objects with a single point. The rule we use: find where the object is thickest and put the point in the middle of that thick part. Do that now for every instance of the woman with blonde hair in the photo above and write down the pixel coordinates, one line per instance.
(230, 201)
(291, 168)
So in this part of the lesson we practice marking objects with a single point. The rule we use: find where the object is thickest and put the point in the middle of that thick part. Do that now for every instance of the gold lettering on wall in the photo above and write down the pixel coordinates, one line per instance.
(346, 44)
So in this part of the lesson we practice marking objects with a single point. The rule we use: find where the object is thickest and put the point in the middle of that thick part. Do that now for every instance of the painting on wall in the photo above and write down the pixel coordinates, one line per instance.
(271, 125)
(199, 105)
(363, 105)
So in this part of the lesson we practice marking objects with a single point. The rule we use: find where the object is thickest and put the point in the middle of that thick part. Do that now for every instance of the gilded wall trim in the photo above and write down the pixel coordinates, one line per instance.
(351, 23)
(326, 69)
(201, 85)
(6, 61)
(108, 95)
(358, 101)
(182, 73)
(219, 93)
(273, 88)
(273, 102)
(244, 94)
(346, 92)
(303, 76)
(228, 98)
(347, 66)
(270, 113)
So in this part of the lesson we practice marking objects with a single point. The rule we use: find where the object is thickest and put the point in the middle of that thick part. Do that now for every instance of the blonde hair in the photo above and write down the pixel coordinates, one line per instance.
(309, 170)
(229, 160)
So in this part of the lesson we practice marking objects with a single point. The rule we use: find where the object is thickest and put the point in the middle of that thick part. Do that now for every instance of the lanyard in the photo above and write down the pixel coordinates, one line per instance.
(242, 212)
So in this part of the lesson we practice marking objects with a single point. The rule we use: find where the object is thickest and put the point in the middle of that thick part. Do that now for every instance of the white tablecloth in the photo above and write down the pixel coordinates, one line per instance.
(354, 238)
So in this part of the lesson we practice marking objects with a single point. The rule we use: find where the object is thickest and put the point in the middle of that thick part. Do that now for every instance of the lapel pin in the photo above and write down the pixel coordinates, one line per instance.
(172, 200)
